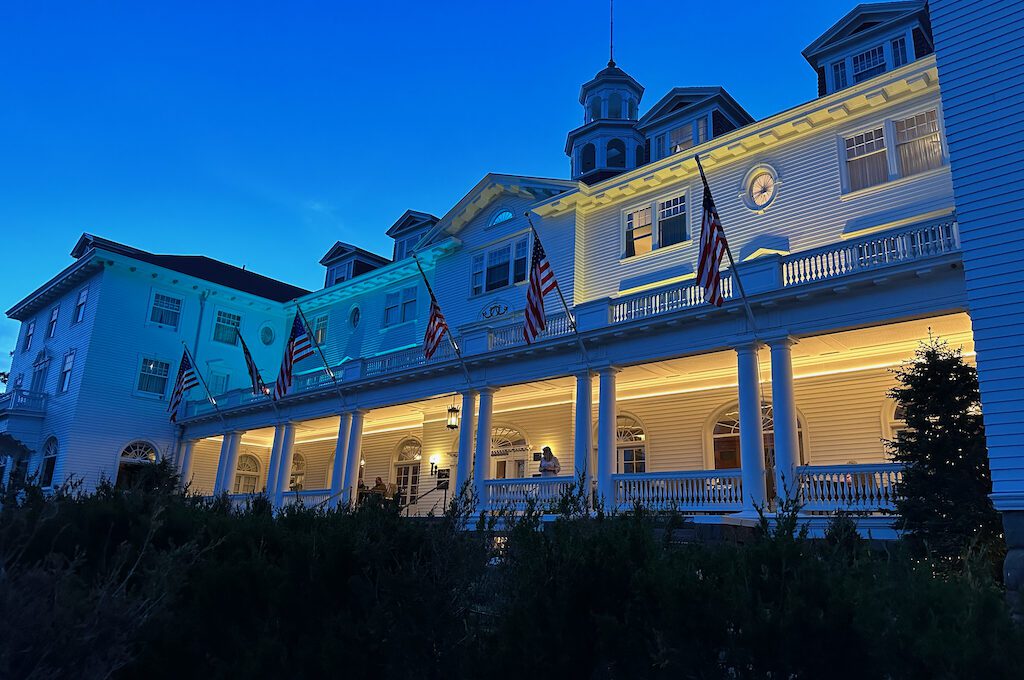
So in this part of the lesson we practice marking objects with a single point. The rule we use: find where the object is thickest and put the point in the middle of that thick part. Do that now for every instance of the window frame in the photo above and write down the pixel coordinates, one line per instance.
(478, 281)
(886, 43)
(78, 314)
(654, 205)
(48, 462)
(321, 331)
(29, 336)
(239, 474)
(334, 269)
(216, 322)
(51, 323)
(398, 299)
(137, 391)
(152, 306)
(67, 366)
(212, 380)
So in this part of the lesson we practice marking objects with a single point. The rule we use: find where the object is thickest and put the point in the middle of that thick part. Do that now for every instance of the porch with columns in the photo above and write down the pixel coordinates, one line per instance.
(713, 434)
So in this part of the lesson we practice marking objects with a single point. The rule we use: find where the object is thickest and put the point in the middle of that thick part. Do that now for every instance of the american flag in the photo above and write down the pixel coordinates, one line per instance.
(186, 380)
(258, 386)
(712, 248)
(542, 282)
(436, 328)
(299, 347)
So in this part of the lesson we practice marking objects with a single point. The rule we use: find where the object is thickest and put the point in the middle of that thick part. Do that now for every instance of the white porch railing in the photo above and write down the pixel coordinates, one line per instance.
(662, 300)
(514, 493)
(511, 335)
(22, 400)
(857, 488)
(407, 358)
(684, 491)
(877, 250)
(308, 498)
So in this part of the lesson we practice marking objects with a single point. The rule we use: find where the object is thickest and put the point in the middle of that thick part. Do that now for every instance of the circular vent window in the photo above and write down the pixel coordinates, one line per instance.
(267, 334)
(353, 317)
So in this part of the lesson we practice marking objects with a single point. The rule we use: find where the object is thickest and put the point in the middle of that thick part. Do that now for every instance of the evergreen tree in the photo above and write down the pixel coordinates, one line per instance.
(944, 495)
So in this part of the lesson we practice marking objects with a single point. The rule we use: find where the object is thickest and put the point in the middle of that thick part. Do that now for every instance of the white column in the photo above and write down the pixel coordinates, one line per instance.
(275, 460)
(355, 454)
(340, 455)
(218, 480)
(606, 412)
(482, 462)
(229, 459)
(284, 464)
(464, 465)
(185, 461)
(582, 436)
(751, 433)
(787, 442)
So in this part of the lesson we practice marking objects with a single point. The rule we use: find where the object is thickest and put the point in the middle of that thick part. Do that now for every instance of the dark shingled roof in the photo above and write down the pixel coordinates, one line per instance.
(201, 267)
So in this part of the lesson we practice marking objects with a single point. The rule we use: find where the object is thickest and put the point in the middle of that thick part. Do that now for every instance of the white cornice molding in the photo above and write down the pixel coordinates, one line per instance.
(887, 89)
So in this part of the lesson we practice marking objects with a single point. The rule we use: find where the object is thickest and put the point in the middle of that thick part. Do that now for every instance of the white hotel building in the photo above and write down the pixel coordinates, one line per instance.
(851, 238)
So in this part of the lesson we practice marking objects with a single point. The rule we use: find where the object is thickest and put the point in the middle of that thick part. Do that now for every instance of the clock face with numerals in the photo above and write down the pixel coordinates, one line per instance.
(762, 189)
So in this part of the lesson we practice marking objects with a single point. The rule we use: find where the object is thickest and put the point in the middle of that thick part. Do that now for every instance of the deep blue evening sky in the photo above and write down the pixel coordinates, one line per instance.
(259, 134)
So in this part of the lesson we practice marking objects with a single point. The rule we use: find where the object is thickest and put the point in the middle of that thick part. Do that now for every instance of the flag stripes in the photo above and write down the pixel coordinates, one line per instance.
(542, 282)
(185, 380)
(436, 328)
(258, 386)
(299, 347)
(712, 249)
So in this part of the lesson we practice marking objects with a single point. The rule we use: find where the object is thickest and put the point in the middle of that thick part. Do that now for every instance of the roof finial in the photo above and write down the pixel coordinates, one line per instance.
(611, 33)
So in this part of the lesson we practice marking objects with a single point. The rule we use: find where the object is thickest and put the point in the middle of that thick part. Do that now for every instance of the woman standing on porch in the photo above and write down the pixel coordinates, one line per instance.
(549, 465)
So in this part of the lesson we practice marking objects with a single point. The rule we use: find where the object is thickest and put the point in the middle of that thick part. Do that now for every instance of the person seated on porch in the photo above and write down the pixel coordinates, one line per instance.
(549, 465)
(379, 486)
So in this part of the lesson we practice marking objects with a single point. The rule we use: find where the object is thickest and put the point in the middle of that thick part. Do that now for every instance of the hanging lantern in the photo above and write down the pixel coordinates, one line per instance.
(453, 417)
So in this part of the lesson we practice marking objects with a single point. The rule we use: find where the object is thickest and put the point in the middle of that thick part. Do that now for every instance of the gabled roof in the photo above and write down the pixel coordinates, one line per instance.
(412, 220)
(868, 17)
(486, 190)
(682, 98)
(341, 249)
(199, 266)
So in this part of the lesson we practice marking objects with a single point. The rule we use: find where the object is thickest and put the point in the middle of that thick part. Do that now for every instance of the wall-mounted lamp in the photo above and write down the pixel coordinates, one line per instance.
(362, 462)
(453, 417)
(434, 460)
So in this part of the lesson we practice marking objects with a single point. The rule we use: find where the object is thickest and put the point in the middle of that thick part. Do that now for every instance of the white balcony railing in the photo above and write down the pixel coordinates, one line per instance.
(407, 358)
(855, 488)
(515, 493)
(873, 252)
(511, 335)
(311, 498)
(23, 400)
(686, 491)
(663, 300)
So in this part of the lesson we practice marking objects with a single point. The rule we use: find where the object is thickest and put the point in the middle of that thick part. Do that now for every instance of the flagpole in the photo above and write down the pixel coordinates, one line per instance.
(447, 328)
(209, 395)
(565, 305)
(312, 336)
(732, 262)
(266, 392)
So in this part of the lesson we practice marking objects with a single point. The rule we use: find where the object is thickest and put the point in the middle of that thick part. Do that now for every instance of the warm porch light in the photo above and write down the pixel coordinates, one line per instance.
(434, 460)
(453, 417)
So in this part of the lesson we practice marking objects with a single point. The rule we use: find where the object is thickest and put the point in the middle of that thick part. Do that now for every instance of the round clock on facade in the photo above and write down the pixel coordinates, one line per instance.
(762, 189)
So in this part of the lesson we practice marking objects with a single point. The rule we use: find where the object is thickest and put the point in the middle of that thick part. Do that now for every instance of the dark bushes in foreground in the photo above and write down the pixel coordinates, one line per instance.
(157, 584)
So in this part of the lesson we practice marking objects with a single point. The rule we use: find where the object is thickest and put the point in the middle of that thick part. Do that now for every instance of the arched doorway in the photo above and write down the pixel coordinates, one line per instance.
(510, 452)
(134, 459)
(407, 470)
(725, 437)
(247, 474)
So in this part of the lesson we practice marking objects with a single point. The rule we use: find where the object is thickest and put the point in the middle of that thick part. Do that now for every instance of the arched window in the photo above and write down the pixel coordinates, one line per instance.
(501, 216)
(632, 109)
(615, 105)
(134, 457)
(595, 108)
(297, 480)
(407, 470)
(897, 420)
(588, 158)
(726, 440)
(616, 154)
(510, 452)
(247, 473)
(630, 445)
(639, 155)
(48, 463)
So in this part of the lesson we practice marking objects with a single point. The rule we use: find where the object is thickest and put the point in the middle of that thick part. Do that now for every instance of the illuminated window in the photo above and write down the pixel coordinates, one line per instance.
(917, 143)
(407, 470)
(638, 232)
(247, 474)
(725, 435)
(226, 328)
(320, 329)
(866, 162)
(631, 445)
(297, 478)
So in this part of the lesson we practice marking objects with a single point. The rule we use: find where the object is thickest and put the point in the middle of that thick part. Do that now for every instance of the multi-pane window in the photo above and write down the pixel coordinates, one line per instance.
(868, 64)
(218, 383)
(165, 310)
(659, 147)
(247, 474)
(633, 460)
(320, 329)
(153, 376)
(702, 129)
(638, 232)
(899, 52)
(48, 463)
(339, 273)
(671, 221)
(400, 306)
(500, 266)
(681, 138)
(917, 143)
(226, 328)
(866, 163)
(404, 246)
(839, 80)
(65, 372)
(51, 328)
(83, 296)
(30, 331)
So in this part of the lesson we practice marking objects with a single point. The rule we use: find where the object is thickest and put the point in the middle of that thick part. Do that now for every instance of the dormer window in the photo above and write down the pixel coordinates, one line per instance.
(339, 273)
(868, 64)
(839, 75)
(404, 246)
